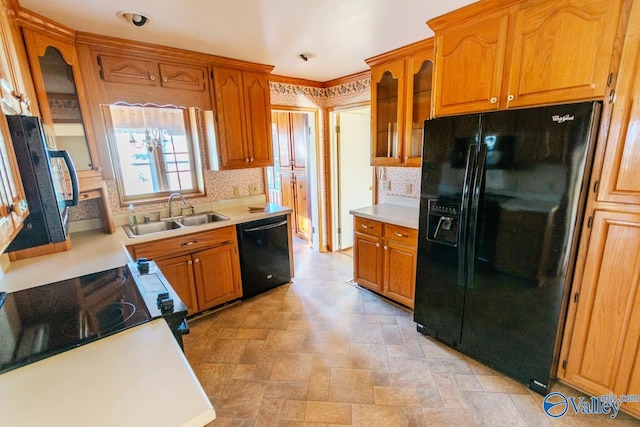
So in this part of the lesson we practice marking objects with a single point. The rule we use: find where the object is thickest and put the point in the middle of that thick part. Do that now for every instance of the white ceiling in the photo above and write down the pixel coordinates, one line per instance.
(342, 33)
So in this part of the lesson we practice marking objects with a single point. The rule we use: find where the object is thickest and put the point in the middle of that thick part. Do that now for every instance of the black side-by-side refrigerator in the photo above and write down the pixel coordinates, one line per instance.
(501, 207)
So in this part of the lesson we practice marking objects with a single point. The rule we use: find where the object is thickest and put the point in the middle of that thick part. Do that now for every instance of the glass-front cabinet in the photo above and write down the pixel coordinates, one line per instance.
(387, 85)
(400, 103)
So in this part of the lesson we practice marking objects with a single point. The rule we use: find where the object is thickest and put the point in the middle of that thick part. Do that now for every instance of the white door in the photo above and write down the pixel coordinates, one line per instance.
(355, 174)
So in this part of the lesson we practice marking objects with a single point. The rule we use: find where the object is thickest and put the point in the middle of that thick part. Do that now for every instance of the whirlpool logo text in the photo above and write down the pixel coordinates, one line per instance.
(556, 404)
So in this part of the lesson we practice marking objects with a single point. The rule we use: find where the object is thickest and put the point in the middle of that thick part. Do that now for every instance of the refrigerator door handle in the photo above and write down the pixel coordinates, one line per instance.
(473, 212)
(464, 212)
(75, 185)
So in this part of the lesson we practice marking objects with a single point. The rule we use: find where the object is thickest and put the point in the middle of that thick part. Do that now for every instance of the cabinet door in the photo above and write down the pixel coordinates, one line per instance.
(367, 261)
(620, 180)
(286, 186)
(606, 328)
(634, 386)
(469, 64)
(179, 273)
(13, 207)
(302, 211)
(400, 272)
(282, 133)
(234, 152)
(217, 274)
(183, 77)
(299, 139)
(387, 111)
(124, 69)
(562, 51)
(257, 101)
(419, 82)
(13, 88)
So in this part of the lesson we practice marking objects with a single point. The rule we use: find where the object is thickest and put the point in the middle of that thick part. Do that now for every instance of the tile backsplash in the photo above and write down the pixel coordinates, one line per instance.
(401, 181)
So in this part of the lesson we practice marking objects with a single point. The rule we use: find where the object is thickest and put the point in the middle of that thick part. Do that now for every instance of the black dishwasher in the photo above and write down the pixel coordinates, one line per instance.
(264, 254)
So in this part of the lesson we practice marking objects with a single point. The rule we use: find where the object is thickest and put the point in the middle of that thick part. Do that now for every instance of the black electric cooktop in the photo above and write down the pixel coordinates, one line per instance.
(39, 322)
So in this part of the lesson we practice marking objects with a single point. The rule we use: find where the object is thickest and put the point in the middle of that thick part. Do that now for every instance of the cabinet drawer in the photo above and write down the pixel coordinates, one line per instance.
(173, 246)
(368, 226)
(406, 235)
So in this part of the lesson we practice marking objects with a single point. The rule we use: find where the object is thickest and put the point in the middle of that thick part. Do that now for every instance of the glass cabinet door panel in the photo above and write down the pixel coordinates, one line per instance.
(387, 116)
(421, 107)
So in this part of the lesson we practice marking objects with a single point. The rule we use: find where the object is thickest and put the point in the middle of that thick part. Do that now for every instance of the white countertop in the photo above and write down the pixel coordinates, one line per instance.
(391, 213)
(138, 377)
(94, 251)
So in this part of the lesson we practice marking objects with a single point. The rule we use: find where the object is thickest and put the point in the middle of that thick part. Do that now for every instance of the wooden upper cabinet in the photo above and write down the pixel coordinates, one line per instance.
(387, 94)
(16, 92)
(243, 118)
(148, 72)
(257, 98)
(401, 83)
(528, 53)
(179, 76)
(418, 105)
(124, 69)
(469, 64)
(562, 51)
(620, 179)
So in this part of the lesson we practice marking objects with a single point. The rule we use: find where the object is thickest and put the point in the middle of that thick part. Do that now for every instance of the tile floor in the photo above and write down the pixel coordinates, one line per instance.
(321, 352)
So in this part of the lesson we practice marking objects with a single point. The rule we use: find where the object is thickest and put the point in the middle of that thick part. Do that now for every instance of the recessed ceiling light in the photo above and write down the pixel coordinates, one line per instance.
(134, 18)
(305, 56)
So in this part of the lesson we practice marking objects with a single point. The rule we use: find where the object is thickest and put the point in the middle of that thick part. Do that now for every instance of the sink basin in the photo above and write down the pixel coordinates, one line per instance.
(202, 218)
(151, 227)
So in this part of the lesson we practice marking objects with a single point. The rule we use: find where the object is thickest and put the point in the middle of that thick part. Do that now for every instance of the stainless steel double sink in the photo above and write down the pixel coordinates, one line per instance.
(173, 223)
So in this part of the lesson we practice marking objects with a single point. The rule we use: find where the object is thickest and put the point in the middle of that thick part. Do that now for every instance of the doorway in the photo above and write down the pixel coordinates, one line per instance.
(290, 180)
(352, 175)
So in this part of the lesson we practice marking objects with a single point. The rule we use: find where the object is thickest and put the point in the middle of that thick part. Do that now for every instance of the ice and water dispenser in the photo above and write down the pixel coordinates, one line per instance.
(442, 222)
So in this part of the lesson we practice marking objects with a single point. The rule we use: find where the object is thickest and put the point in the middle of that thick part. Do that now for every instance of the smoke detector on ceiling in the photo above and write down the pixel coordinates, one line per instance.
(305, 56)
(134, 18)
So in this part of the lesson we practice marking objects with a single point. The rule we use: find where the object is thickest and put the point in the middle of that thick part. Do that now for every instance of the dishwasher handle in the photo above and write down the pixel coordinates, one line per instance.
(265, 227)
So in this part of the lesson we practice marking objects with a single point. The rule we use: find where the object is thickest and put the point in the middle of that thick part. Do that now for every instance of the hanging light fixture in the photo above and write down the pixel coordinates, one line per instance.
(154, 138)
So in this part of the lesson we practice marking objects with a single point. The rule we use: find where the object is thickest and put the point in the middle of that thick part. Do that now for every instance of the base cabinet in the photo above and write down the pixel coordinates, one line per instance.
(384, 259)
(602, 358)
(205, 276)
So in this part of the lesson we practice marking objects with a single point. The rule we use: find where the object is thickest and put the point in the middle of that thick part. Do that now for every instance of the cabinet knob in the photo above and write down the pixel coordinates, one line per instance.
(251, 159)
(246, 160)
(510, 98)
(386, 248)
(19, 207)
(377, 245)
(494, 100)
(189, 262)
(152, 77)
(197, 261)
(164, 79)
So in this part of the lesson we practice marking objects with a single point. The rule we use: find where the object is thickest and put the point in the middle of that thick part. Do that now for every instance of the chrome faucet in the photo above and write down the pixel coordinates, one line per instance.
(184, 202)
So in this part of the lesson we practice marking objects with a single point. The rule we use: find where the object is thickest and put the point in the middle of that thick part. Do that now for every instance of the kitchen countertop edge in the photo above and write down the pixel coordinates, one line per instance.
(390, 213)
(94, 251)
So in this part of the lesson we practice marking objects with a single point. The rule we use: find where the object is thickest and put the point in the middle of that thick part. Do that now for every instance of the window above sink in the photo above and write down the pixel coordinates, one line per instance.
(155, 151)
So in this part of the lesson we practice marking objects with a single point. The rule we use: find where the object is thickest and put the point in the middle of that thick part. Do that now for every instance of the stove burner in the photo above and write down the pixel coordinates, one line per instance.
(114, 315)
(108, 319)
